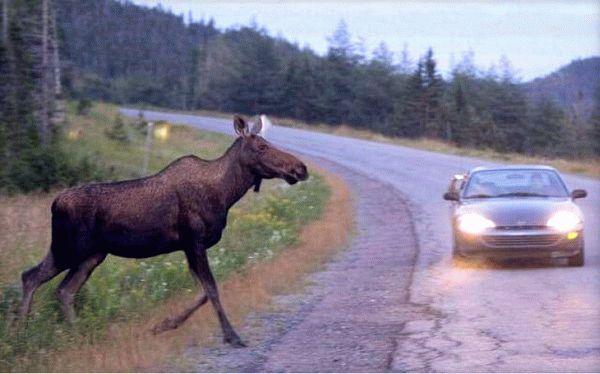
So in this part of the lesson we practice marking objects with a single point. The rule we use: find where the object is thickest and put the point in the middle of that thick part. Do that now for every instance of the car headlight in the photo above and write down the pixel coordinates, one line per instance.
(472, 223)
(564, 221)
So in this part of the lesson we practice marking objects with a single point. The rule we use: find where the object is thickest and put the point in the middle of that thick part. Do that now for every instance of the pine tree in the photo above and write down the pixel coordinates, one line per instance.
(339, 90)
(546, 128)
(118, 131)
(407, 119)
(299, 93)
(30, 156)
(432, 96)
(340, 44)
(374, 89)
(461, 123)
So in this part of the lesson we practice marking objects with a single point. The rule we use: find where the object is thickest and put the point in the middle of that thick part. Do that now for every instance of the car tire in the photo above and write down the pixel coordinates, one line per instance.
(578, 259)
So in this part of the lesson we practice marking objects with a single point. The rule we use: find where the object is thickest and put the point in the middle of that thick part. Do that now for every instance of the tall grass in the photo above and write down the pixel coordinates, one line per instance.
(87, 135)
(121, 290)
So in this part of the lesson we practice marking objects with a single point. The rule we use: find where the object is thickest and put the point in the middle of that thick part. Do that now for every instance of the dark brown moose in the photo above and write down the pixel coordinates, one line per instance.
(183, 207)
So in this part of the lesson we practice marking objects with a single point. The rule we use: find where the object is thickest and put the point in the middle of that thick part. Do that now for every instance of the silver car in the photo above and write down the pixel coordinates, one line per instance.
(515, 212)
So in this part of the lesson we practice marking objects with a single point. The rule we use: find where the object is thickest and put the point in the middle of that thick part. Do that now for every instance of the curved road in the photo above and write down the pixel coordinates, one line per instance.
(522, 317)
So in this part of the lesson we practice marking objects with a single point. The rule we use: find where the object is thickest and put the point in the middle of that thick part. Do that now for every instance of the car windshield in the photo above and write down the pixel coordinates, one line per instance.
(518, 182)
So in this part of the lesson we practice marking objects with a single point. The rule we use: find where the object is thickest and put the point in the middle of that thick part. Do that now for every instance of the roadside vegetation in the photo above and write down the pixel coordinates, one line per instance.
(247, 70)
(60, 50)
(588, 166)
(121, 291)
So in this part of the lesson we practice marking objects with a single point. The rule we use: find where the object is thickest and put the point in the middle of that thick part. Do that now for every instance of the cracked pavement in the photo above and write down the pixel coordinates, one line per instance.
(430, 315)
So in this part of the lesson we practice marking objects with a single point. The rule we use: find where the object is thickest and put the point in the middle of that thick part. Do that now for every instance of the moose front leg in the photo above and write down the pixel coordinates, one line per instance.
(173, 323)
(199, 264)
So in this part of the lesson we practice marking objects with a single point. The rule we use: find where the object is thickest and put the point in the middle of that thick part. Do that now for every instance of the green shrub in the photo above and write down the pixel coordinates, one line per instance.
(33, 166)
(42, 167)
(118, 131)
(83, 106)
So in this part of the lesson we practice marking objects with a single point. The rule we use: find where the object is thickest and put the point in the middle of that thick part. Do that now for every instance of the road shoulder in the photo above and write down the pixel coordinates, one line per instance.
(353, 312)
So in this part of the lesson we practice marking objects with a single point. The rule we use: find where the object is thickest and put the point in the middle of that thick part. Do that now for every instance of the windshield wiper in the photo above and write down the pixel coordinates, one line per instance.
(522, 194)
(479, 196)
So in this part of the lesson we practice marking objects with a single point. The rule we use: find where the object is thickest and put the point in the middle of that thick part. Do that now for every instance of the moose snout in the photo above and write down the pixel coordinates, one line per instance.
(300, 172)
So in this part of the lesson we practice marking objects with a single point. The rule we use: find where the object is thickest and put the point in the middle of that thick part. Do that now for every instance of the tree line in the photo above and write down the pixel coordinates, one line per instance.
(31, 101)
(120, 52)
(124, 53)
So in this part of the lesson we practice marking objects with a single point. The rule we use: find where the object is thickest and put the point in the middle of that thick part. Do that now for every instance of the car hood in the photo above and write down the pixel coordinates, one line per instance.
(530, 211)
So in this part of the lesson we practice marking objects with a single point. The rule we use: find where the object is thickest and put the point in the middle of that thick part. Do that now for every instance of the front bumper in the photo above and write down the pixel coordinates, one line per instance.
(513, 244)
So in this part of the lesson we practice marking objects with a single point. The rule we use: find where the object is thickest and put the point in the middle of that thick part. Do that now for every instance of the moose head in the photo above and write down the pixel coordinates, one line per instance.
(262, 158)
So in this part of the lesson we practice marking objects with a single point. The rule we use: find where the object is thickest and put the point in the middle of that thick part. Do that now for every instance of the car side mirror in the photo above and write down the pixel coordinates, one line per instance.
(451, 196)
(578, 194)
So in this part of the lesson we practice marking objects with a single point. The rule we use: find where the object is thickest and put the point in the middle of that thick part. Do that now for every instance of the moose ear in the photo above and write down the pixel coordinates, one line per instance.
(240, 125)
(261, 127)
(257, 127)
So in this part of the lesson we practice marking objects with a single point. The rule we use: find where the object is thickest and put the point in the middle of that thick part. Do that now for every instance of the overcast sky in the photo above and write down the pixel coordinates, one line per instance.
(537, 37)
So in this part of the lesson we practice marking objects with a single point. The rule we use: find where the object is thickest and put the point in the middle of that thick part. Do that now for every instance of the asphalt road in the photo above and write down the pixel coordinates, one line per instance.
(520, 317)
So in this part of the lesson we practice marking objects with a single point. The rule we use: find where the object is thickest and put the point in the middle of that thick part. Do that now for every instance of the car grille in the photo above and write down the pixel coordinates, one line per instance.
(524, 227)
(506, 241)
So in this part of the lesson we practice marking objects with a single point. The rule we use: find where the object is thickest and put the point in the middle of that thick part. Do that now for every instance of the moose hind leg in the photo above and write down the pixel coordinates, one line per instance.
(34, 278)
(73, 282)
(199, 264)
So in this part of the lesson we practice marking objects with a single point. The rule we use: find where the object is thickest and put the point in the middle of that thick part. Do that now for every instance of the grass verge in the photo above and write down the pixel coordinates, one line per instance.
(125, 297)
(131, 347)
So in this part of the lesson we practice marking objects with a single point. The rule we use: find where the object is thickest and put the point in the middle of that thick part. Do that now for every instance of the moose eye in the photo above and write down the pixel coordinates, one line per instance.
(262, 147)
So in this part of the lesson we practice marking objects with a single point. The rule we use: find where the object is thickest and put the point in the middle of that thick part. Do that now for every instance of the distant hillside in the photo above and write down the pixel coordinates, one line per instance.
(116, 51)
(572, 86)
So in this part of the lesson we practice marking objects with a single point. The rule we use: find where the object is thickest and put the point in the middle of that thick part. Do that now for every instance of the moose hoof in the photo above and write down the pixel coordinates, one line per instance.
(235, 342)
(167, 324)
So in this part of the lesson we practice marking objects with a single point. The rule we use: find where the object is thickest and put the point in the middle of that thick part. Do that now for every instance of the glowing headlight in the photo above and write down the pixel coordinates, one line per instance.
(472, 223)
(563, 221)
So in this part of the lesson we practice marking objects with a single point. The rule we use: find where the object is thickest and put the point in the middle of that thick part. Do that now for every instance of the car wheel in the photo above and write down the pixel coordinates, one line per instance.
(578, 259)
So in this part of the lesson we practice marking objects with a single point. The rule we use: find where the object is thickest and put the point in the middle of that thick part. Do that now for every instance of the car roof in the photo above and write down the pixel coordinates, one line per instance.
(512, 167)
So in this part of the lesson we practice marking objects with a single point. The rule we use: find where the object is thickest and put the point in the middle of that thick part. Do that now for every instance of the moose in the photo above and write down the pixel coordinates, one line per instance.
(183, 207)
